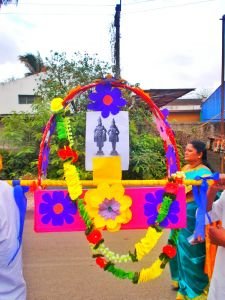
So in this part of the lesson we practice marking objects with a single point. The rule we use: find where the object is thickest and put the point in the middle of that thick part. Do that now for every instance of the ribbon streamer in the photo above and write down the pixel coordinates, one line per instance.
(200, 197)
(21, 202)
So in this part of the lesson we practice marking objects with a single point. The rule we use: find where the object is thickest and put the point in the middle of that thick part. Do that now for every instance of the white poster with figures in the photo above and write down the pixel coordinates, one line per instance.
(107, 137)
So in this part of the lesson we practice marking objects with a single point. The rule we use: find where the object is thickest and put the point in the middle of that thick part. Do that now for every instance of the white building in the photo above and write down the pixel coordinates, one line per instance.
(17, 95)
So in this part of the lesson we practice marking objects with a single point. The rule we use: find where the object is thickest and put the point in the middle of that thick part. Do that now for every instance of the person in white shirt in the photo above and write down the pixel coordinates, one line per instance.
(12, 283)
(217, 236)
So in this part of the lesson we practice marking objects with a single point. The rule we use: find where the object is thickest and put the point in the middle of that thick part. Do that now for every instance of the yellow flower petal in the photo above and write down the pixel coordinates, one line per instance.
(93, 212)
(116, 191)
(93, 198)
(112, 225)
(125, 203)
(104, 190)
(124, 217)
(127, 216)
(99, 222)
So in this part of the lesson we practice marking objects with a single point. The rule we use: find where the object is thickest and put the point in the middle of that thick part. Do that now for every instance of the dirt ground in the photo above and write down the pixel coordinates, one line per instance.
(59, 266)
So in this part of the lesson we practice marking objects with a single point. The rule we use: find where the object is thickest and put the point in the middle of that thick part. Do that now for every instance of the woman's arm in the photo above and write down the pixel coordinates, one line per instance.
(217, 236)
(211, 195)
(217, 186)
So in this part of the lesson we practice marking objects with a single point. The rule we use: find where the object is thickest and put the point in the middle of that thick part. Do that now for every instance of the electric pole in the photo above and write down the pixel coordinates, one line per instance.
(117, 41)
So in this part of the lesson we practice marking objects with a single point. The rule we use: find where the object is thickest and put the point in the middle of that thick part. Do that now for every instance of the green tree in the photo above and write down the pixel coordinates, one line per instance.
(147, 157)
(24, 130)
(64, 74)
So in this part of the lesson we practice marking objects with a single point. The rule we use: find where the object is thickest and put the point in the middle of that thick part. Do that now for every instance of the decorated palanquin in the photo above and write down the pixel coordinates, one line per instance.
(108, 202)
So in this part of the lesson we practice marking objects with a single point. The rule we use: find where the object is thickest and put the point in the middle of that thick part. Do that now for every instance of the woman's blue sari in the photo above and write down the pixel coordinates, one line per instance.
(187, 268)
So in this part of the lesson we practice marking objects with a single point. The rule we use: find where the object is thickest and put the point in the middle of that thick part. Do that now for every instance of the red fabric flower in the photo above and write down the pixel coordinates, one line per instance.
(94, 236)
(170, 251)
(67, 152)
(171, 188)
(33, 186)
(179, 180)
(101, 262)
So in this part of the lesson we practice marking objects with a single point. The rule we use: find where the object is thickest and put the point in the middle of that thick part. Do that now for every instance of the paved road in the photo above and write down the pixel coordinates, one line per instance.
(58, 266)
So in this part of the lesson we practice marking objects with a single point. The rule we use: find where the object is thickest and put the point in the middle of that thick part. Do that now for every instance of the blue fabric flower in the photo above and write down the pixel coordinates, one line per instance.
(57, 208)
(171, 158)
(106, 99)
(151, 209)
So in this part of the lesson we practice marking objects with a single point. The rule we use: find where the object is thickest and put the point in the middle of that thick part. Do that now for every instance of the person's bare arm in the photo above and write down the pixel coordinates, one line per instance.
(217, 236)
(213, 189)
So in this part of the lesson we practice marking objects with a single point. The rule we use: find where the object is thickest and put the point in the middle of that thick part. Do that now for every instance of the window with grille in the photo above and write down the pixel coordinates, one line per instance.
(26, 99)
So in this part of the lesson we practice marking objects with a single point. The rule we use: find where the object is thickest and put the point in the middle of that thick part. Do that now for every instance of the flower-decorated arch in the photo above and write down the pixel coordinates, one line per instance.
(110, 206)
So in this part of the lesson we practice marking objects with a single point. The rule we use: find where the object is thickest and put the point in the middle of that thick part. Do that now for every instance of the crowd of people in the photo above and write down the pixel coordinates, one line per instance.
(194, 274)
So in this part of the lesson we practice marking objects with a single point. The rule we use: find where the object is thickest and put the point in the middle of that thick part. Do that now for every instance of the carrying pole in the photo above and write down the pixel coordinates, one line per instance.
(222, 97)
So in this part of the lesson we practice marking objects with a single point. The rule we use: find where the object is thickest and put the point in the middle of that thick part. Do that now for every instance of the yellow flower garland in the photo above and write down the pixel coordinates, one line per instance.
(152, 272)
(145, 245)
(72, 180)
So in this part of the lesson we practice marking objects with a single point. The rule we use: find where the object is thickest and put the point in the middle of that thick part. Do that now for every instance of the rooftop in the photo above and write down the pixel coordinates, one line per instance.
(163, 97)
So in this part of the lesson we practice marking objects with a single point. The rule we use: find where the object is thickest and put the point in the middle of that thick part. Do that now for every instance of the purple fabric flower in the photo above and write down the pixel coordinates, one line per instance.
(51, 129)
(45, 158)
(109, 209)
(46, 150)
(151, 209)
(57, 208)
(171, 159)
(165, 113)
(161, 126)
(106, 99)
(53, 126)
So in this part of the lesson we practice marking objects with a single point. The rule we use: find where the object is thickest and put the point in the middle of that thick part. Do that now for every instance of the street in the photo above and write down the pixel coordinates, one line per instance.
(59, 266)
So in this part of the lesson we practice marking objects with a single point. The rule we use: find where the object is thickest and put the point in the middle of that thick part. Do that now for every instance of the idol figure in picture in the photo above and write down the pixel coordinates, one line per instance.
(113, 133)
(100, 136)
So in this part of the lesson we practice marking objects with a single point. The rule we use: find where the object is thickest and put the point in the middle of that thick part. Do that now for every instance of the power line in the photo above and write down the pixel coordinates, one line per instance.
(102, 5)
(170, 6)
(81, 4)
(103, 13)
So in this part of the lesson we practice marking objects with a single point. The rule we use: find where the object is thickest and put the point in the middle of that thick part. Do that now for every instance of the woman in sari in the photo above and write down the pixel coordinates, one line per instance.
(187, 268)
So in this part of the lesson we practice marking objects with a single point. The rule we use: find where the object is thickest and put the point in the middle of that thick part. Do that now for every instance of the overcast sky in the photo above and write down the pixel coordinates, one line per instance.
(164, 43)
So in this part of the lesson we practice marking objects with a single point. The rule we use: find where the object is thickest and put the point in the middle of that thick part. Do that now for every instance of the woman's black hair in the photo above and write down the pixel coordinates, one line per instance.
(201, 148)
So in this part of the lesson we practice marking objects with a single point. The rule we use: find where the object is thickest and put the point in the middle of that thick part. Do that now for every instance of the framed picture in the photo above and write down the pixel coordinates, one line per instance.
(107, 137)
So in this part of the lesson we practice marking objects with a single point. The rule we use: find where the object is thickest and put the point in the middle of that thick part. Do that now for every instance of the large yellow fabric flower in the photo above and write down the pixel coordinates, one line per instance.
(108, 206)
(56, 104)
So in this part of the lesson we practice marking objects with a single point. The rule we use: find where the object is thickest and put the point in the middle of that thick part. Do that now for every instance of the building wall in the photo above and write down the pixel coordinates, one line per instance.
(186, 132)
(9, 92)
(184, 117)
(211, 107)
